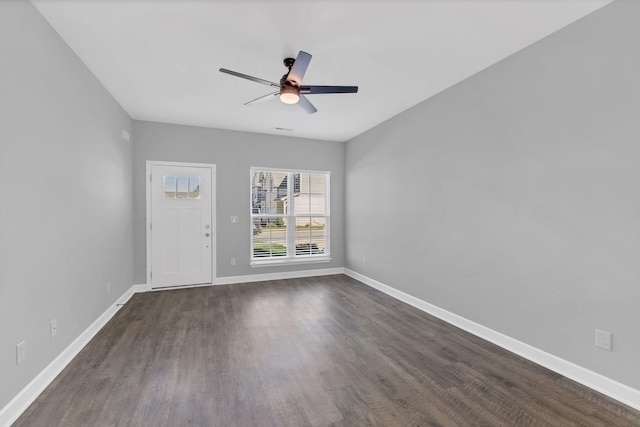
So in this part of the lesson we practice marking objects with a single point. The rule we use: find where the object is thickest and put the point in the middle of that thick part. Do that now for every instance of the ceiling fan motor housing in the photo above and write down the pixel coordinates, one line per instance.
(288, 62)
(289, 89)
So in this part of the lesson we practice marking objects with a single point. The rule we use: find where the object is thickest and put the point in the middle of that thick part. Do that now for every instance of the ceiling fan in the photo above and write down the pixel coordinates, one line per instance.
(290, 89)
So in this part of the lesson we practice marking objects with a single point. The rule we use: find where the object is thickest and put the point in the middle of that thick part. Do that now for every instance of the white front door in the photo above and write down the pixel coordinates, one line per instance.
(181, 225)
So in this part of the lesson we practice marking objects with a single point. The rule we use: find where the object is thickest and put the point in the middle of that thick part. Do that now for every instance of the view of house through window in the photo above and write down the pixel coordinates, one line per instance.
(290, 214)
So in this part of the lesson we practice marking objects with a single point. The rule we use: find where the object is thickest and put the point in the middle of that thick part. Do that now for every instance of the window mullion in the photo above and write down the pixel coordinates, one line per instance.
(291, 223)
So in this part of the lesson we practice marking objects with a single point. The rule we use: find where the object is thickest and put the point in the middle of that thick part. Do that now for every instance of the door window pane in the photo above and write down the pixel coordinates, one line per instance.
(169, 187)
(194, 187)
(182, 184)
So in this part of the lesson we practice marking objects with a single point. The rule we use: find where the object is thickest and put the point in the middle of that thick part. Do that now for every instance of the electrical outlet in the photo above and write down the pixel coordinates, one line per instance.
(603, 339)
(234, 219)
(108, 287)
(233, 261)
(21, 352)
(53, 328)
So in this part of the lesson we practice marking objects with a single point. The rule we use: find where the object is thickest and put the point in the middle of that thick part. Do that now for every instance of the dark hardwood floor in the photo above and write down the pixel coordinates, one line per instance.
(304, 352)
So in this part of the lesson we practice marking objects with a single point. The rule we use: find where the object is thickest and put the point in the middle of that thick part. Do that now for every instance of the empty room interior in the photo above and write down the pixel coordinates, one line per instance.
(320, 212)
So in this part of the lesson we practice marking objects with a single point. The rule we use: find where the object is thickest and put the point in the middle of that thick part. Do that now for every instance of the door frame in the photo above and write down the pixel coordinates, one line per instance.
(214, 233)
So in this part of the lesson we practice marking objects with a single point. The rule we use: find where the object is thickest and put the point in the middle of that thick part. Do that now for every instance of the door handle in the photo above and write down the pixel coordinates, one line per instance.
(207, 234)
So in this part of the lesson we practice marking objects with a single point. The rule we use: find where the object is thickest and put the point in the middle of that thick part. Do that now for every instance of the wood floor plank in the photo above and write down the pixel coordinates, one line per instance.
(316, 351)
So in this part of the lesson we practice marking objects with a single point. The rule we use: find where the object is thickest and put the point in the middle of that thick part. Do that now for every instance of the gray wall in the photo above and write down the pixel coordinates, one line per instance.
(66, 213)
(512, 198)
(234, 153)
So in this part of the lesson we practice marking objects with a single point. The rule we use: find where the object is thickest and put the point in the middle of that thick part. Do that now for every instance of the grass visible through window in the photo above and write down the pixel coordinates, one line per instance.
(266, 250)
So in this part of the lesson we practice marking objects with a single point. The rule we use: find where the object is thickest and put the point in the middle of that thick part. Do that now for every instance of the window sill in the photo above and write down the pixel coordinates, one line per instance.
(289, 261)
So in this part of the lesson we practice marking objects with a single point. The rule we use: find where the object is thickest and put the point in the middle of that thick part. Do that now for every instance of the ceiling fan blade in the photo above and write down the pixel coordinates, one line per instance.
(253, 79)
(306, 105)
(299, 68)
(328, 89)
(263, 98)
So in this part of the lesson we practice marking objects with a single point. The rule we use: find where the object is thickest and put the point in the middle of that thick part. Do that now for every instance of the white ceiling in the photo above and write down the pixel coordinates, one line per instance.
(160, 58)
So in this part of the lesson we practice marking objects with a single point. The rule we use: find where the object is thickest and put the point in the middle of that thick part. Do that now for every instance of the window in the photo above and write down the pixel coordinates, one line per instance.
(289, 216)
(181, 187)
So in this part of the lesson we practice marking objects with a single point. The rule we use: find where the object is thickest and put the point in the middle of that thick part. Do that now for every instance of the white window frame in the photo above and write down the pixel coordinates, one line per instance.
(291, 257)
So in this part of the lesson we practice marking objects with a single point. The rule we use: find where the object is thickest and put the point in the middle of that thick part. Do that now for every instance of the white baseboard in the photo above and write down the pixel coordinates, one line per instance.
(277, 276)
(140, 288)
(10, 413)
(618, 391)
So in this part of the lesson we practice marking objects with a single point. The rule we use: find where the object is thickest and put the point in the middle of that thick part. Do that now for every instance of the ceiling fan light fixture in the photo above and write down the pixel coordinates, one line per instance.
(289, 94)
(289, 98)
